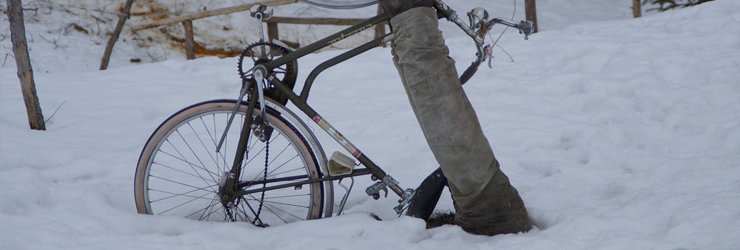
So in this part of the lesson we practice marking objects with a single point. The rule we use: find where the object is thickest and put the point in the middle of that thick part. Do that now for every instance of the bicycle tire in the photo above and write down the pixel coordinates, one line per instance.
(178, 171)
(341, 4)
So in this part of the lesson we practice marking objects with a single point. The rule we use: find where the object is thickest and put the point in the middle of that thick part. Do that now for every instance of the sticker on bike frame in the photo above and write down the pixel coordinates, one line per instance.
(334, 133)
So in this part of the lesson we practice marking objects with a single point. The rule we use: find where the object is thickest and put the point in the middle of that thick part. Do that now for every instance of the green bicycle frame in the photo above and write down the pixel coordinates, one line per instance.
(300, 101)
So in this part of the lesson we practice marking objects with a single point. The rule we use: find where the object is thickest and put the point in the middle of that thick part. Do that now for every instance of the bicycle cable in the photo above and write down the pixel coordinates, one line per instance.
(495, 43)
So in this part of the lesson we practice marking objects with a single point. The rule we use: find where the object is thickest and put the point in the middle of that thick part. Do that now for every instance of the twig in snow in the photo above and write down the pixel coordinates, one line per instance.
(55, 112)
(6, 59)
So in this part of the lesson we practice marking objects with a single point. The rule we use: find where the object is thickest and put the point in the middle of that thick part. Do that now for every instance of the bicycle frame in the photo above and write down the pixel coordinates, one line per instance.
(300, 101)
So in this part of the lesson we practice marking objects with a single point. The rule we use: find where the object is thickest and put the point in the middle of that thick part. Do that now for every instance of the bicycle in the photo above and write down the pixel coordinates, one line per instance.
(233, 160)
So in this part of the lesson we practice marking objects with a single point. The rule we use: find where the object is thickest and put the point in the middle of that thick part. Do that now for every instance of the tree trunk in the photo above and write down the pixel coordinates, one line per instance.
(114, 37)
(636, 8)
(23, 62)
(531, 12)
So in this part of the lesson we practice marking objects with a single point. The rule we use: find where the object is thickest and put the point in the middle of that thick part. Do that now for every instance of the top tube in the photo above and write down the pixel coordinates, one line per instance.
(308, 49)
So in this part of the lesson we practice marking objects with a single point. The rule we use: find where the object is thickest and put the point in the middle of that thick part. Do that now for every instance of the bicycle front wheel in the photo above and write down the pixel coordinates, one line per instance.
(179, 172)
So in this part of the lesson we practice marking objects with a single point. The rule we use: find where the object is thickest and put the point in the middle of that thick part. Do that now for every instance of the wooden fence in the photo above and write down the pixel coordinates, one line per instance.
(273, 32)
(187, 22)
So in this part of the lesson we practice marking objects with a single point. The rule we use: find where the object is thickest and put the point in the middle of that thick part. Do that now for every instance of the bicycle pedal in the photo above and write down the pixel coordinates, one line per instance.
(261, 12)
(260, 129)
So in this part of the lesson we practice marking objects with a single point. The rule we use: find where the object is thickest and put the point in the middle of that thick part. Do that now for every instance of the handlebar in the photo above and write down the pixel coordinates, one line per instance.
(477, 28)
(469, 72)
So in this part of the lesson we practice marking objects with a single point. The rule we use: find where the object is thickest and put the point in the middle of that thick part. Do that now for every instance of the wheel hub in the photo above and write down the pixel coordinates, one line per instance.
(227, 189)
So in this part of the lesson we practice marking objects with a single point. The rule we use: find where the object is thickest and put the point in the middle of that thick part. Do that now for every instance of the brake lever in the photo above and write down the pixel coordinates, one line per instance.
(526, 28)
(476, 28)
(488, 50)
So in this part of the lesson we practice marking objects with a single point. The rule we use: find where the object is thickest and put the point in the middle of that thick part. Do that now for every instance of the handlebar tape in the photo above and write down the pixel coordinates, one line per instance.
(469, 72)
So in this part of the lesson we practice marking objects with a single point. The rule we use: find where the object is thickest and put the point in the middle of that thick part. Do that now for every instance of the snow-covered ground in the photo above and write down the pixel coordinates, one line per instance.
(619, 134)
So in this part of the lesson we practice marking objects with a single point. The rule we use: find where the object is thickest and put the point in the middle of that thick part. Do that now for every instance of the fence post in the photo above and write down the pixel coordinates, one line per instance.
(272, 31)
(636, 8)
(380, 28)
(189, 39)
(531, 12)
(23, 63)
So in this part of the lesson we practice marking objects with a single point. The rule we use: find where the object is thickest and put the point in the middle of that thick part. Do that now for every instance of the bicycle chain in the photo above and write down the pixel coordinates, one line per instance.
(264, 185)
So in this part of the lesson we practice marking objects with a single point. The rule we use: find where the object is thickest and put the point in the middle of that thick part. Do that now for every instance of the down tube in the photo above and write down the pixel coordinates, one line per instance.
(334, 133)
(351, 148)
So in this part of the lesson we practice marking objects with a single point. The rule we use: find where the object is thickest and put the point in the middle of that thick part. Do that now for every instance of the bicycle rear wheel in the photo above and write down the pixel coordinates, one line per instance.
(179, 173)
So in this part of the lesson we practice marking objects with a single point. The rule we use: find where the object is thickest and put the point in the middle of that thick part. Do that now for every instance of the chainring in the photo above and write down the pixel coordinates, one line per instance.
(262, 52)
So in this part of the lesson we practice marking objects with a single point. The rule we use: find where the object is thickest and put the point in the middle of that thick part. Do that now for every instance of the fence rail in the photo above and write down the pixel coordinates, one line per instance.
(187, 22)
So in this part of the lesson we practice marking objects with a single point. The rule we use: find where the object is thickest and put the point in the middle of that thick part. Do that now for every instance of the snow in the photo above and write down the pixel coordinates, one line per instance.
(618, 133)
